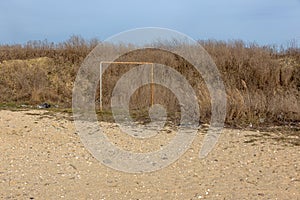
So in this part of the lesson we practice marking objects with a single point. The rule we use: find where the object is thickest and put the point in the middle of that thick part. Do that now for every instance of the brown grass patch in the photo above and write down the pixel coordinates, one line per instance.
(262, 84)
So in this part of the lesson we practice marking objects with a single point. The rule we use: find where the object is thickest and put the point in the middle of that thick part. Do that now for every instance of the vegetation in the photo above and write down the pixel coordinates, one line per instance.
(262, 82)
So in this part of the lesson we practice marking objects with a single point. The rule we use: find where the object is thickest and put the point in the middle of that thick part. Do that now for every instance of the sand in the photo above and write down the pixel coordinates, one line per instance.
(42, 157)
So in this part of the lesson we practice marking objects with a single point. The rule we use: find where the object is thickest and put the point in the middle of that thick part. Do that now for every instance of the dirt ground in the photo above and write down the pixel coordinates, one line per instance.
(42, 157)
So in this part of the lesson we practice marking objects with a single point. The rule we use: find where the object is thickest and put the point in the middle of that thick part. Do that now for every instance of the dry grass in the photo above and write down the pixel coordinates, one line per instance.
(262, 84)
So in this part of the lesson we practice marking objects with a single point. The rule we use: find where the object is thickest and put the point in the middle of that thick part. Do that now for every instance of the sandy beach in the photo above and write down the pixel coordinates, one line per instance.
(42, 157)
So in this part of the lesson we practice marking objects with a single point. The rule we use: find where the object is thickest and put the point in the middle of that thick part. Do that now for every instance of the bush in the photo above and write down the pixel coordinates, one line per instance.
(262, 83)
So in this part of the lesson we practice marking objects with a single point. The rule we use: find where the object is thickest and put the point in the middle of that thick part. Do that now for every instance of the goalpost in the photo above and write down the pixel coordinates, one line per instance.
(139, 63)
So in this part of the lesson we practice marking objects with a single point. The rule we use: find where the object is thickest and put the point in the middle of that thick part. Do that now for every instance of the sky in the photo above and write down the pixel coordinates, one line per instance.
(261, 21)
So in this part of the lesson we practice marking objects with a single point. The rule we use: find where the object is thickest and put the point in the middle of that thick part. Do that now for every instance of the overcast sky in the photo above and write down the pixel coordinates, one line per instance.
(261, 21)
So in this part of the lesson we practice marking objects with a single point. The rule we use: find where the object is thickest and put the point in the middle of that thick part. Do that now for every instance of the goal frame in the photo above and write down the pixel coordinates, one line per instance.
(129, 62)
